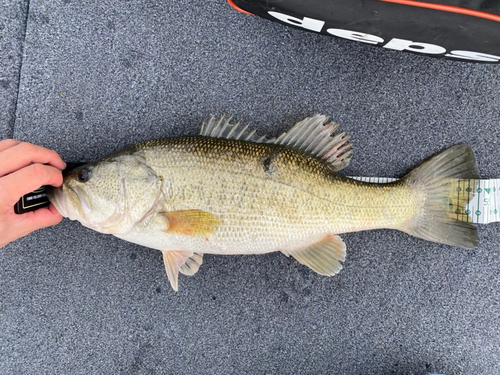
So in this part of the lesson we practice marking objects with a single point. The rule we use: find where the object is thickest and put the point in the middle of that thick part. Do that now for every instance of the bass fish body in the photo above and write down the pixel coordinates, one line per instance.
(228, 191)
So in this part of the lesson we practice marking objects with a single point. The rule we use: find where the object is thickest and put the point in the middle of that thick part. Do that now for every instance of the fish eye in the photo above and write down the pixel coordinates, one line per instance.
(83, 175)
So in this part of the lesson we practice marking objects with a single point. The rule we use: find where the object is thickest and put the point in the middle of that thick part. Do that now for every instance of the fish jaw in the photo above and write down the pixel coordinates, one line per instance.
(64, 200)
(74, 204)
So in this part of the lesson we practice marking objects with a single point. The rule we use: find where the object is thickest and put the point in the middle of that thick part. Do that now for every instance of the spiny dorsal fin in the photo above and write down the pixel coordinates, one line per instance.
(222, 128)
(314, 137)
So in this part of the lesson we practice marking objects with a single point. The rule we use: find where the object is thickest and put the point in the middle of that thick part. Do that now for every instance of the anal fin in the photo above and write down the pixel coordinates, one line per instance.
(324, 256)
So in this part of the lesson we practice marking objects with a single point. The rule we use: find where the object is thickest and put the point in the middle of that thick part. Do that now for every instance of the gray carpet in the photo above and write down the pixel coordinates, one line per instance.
(86, 78)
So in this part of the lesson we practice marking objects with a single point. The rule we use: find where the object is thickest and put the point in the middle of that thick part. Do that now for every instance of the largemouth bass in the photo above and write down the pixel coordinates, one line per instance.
(228, 191)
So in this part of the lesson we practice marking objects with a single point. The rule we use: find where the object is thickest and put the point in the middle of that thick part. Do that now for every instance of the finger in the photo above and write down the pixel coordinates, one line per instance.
(41, 218)
(24, 153)
(26, 180)
(26, 223)
(8, 143)
(53, 209)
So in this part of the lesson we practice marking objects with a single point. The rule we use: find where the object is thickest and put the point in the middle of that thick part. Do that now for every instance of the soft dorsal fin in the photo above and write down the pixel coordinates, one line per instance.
(316, 137)
(222, 128)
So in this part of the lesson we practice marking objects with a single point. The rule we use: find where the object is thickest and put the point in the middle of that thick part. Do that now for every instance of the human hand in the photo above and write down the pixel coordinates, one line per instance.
(25, 167)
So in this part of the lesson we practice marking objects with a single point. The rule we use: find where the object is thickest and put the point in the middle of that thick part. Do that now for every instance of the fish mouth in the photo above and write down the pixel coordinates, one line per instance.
(71, 203)
(55, 195)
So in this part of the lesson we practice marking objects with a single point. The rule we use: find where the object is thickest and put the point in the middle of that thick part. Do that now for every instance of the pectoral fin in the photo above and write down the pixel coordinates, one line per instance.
(174, 260)
(323, 257)
(192, 222)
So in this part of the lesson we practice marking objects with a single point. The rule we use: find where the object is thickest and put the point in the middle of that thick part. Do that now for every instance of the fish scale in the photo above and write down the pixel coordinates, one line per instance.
(300, 198)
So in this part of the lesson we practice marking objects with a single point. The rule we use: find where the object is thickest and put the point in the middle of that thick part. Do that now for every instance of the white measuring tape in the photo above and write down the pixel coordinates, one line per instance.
(483, 197)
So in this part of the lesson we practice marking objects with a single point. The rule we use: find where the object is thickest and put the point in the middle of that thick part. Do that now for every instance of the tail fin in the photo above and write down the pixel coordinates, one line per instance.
(433, 177)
